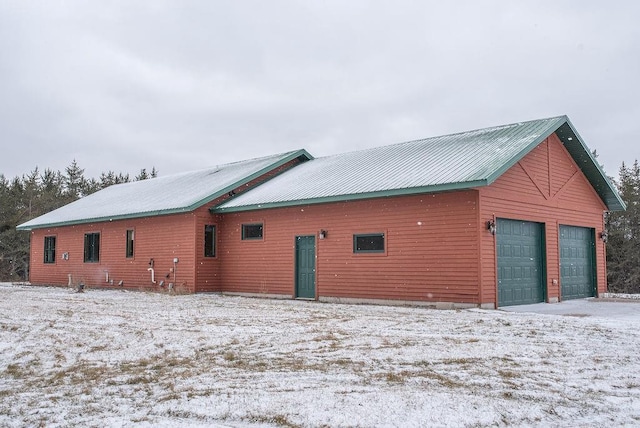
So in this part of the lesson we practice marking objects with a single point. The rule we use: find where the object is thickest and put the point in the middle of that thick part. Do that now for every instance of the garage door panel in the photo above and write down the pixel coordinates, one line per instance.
(520, 262)
(577, 268)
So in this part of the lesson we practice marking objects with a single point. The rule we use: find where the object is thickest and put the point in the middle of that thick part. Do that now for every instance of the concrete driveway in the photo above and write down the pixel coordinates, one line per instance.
(602, 308)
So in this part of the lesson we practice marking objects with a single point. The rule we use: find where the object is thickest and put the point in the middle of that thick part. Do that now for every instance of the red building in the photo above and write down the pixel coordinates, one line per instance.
(494, 217)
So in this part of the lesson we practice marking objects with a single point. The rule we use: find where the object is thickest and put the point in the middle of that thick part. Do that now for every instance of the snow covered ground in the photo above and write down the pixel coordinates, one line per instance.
(114, 358)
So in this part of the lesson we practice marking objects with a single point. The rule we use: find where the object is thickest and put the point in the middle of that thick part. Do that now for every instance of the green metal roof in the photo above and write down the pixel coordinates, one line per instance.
(170, 194)
(458, 161)
(451, 162)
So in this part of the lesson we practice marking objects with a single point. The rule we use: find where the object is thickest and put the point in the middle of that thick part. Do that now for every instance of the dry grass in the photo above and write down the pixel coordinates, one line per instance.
(278, 420)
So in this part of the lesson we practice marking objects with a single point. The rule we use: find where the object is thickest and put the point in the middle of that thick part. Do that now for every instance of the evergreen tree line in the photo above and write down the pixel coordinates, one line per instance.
(623, 241)
(37, 193)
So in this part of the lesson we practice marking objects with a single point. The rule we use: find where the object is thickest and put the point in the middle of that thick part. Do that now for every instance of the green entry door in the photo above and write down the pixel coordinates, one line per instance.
(577, 269)
(306, 267)
(520, 262)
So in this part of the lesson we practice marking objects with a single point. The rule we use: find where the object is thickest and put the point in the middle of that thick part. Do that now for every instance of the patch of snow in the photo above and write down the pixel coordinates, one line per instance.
(635, 297)
(106, 357)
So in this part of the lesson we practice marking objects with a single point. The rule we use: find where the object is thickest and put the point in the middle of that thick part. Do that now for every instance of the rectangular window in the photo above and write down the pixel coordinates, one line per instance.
(130, 240)
(49, 249)
(91, 247)
(252, 231)
(209, 240)
(368, 243)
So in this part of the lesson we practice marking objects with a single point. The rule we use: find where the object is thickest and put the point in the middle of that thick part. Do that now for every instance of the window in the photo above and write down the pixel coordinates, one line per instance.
(252, 231)
(209, 240)
(91, 247)
(130, 239)
(49, 249)
(369, 243)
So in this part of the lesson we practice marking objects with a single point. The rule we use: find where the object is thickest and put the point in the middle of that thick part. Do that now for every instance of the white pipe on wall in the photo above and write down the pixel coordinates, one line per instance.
(153, 275)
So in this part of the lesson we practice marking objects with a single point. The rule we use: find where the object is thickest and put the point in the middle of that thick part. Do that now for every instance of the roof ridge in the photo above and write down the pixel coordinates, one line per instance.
(219, 166)
(419, 140)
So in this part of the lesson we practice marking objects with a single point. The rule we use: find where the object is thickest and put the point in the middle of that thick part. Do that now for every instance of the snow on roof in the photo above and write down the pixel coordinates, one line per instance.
(457, 161)
(162, 195)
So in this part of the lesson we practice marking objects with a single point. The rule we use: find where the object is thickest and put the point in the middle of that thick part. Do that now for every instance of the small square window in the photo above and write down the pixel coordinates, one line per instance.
(91, 247)
(49, 249)
(130, 241)
(252, 231)
(368, 243)
(209, 240)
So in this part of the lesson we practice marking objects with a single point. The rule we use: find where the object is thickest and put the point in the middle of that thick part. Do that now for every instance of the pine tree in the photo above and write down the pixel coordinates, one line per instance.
(91, 186)
(14, 245)
(623, 245)
(107, 179)
(75, 183)
(143, 175)
(31, 192)
(51, 191)
(122, 178)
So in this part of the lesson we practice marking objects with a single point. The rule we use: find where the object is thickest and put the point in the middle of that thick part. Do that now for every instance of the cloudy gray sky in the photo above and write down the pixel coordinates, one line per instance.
(182, 85)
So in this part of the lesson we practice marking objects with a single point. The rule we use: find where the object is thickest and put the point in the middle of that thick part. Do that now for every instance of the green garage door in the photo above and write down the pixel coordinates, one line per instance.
(577, 269)
(520, 262)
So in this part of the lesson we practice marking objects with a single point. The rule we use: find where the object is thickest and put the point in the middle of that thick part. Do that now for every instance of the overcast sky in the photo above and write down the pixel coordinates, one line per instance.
(182, 85)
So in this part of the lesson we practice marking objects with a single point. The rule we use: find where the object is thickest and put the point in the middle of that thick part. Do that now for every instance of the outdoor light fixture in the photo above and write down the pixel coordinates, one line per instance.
(323, 234)
(491, 227)
(604, 236)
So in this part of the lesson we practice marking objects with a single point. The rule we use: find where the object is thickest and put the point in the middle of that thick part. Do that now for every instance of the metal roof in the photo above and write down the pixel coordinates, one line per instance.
(163, 195)
(458, 161)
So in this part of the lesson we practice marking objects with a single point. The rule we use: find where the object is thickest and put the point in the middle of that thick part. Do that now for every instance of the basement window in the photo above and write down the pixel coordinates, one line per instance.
(91, 247)
(130, 239)
(368, 243)
(209, 240)
(49, 249)
(252, 231)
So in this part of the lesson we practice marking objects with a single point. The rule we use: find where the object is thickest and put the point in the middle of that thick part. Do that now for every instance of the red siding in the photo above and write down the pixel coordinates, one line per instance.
(207, 269)
(431, 249)
(159, 238)
(545, 187)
